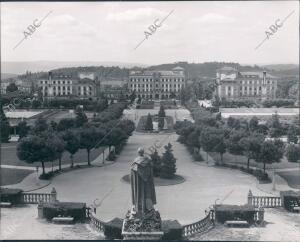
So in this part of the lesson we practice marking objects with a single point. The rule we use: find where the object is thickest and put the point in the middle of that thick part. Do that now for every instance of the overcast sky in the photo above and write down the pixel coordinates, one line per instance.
(109, 31)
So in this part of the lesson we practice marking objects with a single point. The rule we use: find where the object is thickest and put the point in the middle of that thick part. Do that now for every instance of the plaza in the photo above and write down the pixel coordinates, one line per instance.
(186, 202)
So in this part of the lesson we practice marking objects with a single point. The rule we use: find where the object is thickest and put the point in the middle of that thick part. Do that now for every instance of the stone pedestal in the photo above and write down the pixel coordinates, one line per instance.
(147, 227)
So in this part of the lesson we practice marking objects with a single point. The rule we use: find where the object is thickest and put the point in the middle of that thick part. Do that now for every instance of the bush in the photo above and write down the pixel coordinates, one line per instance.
(14, 196)
(235, 212)
(113, 229)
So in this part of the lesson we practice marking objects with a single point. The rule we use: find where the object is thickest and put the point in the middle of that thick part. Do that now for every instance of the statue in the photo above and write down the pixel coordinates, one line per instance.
(142, 185)
(142, 217)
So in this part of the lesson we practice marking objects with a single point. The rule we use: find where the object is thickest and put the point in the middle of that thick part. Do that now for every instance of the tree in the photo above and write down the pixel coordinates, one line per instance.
(161, 123)
(12, 87)
(168, 163)
(156, 161)
(66, 123)
(40, 126)
(53, 125)
(36, 148)
(115, 137)
(88, 139)
(80, 118)
(253, 124)
(23, 129)
(149, 124)
(128, 126)
(291, 134)
(132, 96)
(72, 143)
(270, 152)
(293, 153)
(5, 127)
(193, 140)
(162, 112)
(233, 143)
(206, 143)
(251, 147)
(57, 145)
(275, 126)
(220, 146)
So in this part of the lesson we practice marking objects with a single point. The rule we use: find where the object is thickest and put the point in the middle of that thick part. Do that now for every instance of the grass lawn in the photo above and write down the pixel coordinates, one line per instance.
(9, 156)
(12, 176)
(292, 178)
(242, 160)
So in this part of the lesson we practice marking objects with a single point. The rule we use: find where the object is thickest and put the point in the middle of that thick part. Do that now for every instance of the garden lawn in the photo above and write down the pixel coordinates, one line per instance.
(292, 178)
(9, 156)
(242, 160)
(12, 176)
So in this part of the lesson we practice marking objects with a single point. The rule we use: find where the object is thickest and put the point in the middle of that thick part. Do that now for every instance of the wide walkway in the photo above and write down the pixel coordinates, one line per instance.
(185, 202)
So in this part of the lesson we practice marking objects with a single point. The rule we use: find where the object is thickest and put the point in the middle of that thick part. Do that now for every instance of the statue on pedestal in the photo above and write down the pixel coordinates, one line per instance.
(142, 217)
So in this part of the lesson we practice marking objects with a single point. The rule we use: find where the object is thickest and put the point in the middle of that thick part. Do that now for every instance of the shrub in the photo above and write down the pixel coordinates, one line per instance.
(47, 176)
(172, 230)
(235, 212)
(14, 196)
(65, 209)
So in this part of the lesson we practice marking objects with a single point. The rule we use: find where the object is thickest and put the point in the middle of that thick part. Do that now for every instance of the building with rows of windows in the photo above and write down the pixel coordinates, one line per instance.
(233, 84)
(57, 85)
(157, 84)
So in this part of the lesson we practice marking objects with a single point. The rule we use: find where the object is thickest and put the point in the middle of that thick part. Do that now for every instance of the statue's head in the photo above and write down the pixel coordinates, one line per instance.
(141, 151)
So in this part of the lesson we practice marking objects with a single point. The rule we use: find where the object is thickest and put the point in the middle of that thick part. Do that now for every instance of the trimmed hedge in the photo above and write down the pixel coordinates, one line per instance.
(224, 213)
(65, 209)
(14, 196)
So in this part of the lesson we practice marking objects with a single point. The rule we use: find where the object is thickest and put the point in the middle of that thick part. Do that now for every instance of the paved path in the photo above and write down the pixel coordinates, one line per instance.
(185, 202)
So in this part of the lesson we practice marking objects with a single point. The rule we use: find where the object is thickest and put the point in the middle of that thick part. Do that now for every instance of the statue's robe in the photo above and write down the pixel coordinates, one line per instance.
(142, 185)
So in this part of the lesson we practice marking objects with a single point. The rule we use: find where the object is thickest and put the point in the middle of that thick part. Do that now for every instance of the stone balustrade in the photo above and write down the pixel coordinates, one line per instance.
(264, 201)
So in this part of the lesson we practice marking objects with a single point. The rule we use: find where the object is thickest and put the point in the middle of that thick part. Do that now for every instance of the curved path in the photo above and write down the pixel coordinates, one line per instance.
(185, 202)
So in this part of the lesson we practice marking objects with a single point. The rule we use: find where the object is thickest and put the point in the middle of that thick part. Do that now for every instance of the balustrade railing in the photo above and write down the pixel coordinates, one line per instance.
(200, 226)
(96, 223)
(264, 201)
(35, 198)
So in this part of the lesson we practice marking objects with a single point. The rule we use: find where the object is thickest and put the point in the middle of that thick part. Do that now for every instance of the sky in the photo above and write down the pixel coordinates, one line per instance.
(110, 31)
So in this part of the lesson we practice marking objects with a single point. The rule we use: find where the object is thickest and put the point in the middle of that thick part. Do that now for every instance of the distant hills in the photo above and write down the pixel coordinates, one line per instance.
(120, 70)
(38, 66)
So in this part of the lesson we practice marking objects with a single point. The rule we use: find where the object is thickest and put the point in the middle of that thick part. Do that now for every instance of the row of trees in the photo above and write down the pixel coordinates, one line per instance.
(212, 134)
(47, 142)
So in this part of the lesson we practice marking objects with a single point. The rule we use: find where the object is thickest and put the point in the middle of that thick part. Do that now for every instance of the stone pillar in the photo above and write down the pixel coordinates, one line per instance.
(40, 210)
(250, 196)
(261, 213)
(53, 197)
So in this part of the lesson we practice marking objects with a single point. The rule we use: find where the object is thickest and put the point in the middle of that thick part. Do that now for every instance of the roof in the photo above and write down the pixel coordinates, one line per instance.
(150, 73)
(227, 68)
(255, 73)
(178, 68)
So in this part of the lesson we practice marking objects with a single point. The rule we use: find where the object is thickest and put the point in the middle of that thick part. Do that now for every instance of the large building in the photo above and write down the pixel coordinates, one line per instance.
(234, 84)
(157, 84)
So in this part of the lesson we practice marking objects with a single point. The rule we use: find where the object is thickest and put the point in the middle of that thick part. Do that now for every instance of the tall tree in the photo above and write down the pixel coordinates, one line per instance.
(168, 163)
(270, 153)
(23, 129)
(162, 112)
(293, 153)
(193, 140)
(57, 145)
(161, 123)
(88, 139)
(80, 118)
(233, 143)
(36, 148)
(251, 147)
(4, 126)
(292, 135)
(156, 161)
(149, 124)
(253, 124)
(40, 126)
(66, 123)
(72, 143)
